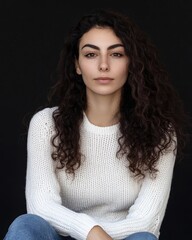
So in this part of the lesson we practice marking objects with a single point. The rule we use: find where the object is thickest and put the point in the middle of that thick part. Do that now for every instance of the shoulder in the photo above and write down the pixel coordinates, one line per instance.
(43, 119)
(45, 113)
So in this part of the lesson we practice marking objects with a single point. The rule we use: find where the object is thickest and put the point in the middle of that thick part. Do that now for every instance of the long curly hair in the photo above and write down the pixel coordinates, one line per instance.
(151, 112)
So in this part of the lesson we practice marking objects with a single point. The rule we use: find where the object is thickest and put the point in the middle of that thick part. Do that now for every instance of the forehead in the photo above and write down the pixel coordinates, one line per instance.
(99, 36)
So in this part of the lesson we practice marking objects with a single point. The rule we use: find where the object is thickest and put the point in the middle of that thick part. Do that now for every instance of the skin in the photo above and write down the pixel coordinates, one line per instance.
(104, 67)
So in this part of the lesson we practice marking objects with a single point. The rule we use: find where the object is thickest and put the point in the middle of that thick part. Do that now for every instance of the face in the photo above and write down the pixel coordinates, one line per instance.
(102, 62)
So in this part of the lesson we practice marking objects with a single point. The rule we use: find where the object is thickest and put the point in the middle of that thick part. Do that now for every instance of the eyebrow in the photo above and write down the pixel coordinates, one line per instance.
(109, 48)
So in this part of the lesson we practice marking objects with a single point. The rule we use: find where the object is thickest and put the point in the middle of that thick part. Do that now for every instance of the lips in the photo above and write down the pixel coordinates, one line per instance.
(103, 79)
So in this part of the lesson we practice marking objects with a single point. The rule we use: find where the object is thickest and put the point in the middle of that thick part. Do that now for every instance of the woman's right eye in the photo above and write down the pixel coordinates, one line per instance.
(90, 55)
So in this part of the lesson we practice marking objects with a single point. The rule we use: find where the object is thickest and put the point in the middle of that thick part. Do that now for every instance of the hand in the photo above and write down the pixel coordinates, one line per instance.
(97, 233)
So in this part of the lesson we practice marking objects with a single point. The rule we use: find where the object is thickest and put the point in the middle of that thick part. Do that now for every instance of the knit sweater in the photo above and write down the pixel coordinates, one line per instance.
(103, 192)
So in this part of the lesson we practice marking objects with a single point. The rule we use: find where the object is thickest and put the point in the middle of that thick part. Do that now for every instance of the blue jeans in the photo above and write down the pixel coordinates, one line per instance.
(33, 227)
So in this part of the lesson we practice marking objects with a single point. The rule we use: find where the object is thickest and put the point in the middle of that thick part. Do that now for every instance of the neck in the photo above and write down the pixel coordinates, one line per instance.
(103, 110)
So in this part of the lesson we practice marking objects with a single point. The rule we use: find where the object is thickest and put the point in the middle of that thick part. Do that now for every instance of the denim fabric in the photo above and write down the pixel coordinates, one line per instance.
(33, 227)
(141, 236)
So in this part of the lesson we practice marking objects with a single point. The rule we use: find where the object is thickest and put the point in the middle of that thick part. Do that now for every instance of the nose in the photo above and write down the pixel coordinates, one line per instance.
(104, 66)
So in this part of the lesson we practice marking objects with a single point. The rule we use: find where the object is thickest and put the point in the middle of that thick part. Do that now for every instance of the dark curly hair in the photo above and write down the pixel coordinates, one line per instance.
(151, 112)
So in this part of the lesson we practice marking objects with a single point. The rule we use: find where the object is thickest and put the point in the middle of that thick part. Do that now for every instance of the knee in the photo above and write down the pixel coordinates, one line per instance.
(26, 220)
(150, 236)
(142, 236)
(30, 227)
(25, 224)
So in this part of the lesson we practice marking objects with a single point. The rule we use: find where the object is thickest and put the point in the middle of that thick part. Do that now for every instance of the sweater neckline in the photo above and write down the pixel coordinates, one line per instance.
(98, 129)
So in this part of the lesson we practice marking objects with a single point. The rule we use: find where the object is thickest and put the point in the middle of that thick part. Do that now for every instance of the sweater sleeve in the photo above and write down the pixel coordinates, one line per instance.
(42, 188)
(147, 212)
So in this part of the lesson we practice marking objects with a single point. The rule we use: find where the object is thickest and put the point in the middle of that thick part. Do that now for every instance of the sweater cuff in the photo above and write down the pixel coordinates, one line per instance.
(81, 225)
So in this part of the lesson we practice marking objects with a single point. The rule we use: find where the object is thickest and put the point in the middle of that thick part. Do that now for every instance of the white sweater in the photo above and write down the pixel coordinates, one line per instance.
(103, 191)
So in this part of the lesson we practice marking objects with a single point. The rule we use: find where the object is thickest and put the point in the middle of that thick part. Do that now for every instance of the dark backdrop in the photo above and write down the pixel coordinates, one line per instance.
(31, 36)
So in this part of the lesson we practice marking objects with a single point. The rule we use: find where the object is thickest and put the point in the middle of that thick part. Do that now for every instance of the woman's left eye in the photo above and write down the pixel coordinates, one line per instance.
(117, 54)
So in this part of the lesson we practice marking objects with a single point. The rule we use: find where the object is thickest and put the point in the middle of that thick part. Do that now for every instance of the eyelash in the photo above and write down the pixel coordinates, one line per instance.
(90, 55)
(115, 54)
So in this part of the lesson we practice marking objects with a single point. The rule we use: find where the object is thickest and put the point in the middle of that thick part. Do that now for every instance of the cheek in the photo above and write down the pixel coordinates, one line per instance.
(123, 75)
(121, 66)
(87, 69)
(123, 71)
(87, 73)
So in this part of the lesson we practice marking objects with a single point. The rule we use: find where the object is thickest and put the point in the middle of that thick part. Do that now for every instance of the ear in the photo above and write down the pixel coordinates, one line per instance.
(78, 70)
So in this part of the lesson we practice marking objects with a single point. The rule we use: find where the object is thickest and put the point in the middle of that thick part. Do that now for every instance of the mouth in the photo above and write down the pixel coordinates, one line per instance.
(103, 79)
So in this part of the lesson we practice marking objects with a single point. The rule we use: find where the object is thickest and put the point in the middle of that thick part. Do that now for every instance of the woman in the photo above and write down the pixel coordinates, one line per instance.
(101, 156)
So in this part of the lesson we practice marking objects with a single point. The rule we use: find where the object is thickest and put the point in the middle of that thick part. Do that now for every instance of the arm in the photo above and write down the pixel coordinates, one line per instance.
(147, 212)
(42, 188)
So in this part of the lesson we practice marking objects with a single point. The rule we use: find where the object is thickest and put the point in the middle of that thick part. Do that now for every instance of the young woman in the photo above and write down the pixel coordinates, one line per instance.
(101, 156)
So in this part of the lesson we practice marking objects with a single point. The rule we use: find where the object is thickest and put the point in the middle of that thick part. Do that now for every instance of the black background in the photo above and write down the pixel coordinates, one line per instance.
(32, 34)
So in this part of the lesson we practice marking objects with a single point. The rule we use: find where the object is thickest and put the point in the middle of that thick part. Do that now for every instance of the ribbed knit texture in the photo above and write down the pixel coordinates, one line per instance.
(103, 191)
